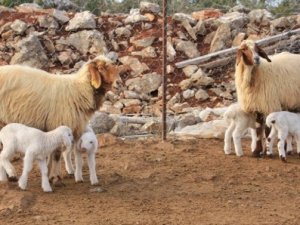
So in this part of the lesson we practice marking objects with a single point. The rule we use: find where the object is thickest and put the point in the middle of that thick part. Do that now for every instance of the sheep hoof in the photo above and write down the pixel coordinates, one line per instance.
(70, 175)
(79, 181)
(289, 153)
(57, 181)
(12, 179)
(256, 153)
(283, 159)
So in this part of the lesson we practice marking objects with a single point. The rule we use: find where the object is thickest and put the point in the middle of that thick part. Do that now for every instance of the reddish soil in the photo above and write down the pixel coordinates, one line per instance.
(175, 182)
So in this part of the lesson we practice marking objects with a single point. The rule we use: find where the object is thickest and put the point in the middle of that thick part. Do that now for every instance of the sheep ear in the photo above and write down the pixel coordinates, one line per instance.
(95, 76)
(262, 53)
(238, 56)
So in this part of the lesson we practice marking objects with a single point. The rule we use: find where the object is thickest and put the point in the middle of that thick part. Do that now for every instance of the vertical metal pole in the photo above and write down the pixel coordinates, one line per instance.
(164, 72)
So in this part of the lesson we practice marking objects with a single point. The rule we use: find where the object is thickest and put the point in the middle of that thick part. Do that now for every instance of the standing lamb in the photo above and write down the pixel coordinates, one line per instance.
(87, 143)
(45, 101)
(36, 145)
(266, 84)
(239, 122)
(286, 125)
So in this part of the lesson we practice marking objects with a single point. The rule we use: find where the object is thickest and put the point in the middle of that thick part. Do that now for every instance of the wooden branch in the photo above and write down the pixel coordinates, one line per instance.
(222, 53)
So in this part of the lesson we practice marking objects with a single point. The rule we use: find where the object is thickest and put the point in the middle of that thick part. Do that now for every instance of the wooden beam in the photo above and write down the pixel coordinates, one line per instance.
(229, 51)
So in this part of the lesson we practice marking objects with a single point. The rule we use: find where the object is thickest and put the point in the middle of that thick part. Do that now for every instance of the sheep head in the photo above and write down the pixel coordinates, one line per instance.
(250, 52)
(102, 73)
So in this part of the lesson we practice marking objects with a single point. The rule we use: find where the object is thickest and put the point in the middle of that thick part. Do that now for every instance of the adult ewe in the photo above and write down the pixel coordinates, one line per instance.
(266, 84)
(45, 101)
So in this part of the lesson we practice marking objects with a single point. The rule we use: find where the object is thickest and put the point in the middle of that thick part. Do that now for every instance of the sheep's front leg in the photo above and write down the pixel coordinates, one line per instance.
(227, 138)
(44, 173)
(92, 168)
(54, 168)
(260, 135)
(78, 167)
(270, 141)
(289, 146)
(27, 167)
(68, 162)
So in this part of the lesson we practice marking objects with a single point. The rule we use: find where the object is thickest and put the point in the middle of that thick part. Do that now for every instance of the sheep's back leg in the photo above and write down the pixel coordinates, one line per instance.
(5, 157)
(27, 167)
(78, 167)
(92, 168)
(260, 135)
(54, 165)
(227, 138)
(68, 162)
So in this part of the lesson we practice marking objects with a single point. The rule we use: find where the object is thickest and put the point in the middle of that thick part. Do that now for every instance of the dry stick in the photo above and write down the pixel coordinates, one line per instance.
(210, 56)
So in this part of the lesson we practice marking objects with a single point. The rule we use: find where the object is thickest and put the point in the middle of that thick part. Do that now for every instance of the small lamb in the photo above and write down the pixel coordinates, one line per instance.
(239, 121)
(285, 124)
(87, 143)
(36, 145)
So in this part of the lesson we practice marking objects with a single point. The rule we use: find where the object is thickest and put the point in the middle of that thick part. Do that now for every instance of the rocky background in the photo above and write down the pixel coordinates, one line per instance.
(60, 42)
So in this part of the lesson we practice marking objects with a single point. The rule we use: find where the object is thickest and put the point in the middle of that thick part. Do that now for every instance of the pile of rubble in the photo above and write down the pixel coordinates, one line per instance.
(60, 42)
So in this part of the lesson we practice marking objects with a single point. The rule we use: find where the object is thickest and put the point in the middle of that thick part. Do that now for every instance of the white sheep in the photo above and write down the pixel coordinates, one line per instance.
(239, 121)
(36, 145)
(285, 125)
(43, 100)
(88, 144)
(266, 84)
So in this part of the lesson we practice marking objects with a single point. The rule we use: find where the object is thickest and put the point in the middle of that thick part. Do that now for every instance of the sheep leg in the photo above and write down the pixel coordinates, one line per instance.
(78, 167)
(260, 135)
(44, 173)
(237, 136)
(3, 176)
(282, 135)
(253, 139)
(54, 168)
(227, 138)
(68, 162)
(92, 168)
(27, 167)
(5, 157)
(289, 146)
(270, 142)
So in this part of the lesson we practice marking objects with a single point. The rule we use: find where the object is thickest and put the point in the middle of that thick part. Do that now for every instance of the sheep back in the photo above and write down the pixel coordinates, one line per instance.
(273, 86)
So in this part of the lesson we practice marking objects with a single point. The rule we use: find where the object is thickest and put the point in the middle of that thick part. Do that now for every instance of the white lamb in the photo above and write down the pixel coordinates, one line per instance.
(286, 125)
(239, 121)
(87, 143)
(36, 145)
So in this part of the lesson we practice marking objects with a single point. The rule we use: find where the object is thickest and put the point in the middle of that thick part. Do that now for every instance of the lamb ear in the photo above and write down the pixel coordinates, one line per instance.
(95, 76)
(262, 53)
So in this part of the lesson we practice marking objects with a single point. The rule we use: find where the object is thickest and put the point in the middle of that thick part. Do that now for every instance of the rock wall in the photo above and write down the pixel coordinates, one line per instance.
(60, 42)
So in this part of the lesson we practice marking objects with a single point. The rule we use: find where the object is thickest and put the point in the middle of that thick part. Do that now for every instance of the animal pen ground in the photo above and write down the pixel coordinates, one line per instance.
(146, 181)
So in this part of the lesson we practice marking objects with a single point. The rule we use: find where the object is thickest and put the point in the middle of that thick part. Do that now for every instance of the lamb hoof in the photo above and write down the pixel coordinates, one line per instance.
(289, 153)
(12, 179)
(79, 181)
(283, 159)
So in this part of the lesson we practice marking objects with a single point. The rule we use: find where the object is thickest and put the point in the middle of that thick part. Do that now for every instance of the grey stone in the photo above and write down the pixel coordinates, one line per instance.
(47, 21)
(149, 7)
(201, 95)
(222, 38)
(136, 66)
(189, 70)
(135, 17)
(30, 52)
(189, 93)
(82, 20)
(19, 26)
(60, 16)
(188, 48)
(123, 31)
(148, 52)
(181, 17)
(101, 122)
(148, 83)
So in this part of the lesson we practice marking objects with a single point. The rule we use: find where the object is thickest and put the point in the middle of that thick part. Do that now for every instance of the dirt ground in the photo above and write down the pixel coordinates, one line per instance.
(175, 182)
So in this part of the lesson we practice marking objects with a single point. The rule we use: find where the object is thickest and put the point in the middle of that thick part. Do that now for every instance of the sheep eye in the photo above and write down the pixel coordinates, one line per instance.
(91, 142)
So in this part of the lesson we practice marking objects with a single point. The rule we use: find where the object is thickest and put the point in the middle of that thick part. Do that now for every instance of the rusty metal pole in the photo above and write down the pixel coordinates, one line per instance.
(164, 71)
